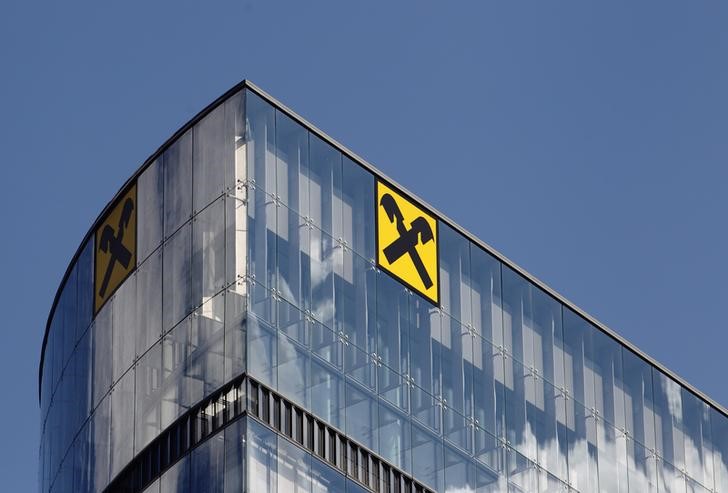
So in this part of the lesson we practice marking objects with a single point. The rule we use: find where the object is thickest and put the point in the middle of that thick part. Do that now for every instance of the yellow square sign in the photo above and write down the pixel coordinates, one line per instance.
(115, 248)
(407, 242)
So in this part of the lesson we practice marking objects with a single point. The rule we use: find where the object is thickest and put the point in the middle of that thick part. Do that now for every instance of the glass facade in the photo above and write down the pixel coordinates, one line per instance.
(256, 255)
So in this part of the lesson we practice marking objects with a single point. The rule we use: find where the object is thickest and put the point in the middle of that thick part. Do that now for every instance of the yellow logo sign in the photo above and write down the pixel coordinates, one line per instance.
(115, 251)
(407, 242)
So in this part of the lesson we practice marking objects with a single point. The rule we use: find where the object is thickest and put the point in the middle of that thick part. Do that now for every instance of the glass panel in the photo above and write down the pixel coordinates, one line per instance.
(177, 478)
(148, 402)
(177, 161)
(612, 458)
(207, 464)
(262, 351)
(395, 441)
(719, 431)
(208, 252)
(81, 470)
(69, 317)
(291, 164)
(262, 253)
(459, 472)
(235, 457)
(100, 350)
(213, 149)
(236, 237)
(357, 209)
(122, 422)
(522, 474)
(150, 216)
(698, 452)
(425, 347)
(85, 268)
(175, 381)
(83, 378)
(327, 392)
(294, 468)
(235, 325)
(639, 408)
(642, 468)
(392, 330)
(125, 326)
(260, 144)
(261, 453)
(488, 398)
(99, 438)
(455, 297)
(176, 289)
(324, 479)
(292, 242)
(206, 351)
(324, 176)
(293, 370)
(149, 302)
(457, 357)
(355, 293)
(668, 420)
(427, 458)
(361, 416)
(670, 478)
(581, 438)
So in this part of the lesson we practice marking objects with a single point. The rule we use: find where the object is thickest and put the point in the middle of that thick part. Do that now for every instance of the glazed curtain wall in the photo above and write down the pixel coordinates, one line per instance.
(502, 389)
(173, 331)
(248, 214)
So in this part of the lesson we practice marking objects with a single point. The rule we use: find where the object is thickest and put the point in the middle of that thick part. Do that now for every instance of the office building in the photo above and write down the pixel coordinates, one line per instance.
(260, 310)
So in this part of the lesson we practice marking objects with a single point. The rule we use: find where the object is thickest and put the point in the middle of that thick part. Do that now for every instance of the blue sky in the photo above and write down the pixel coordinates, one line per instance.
(584, 140)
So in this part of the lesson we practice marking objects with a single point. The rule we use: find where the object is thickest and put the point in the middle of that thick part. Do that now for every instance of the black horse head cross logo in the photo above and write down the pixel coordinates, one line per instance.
(112, 242)
(418, 232)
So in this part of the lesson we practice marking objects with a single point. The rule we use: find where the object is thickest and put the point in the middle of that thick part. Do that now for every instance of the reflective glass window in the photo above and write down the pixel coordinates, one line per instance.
(260, 142)
(85, 268)
(719, 431)
(207, 465)
(324, 177)
(294, 373)
(235, 457)
(213, 154)
(175, 380)
(361, 416)
(148, 403)
(208, 252)
(177, 161)
(327, 392)
(294, 468)
(177, 478)
(177, 270)
(150, 214)
(124, 326)
(325, 479)
(235, 331)
(148, 302)
(291, 164)
(122, 422)
(206, 350)
(262, 252)
(101, 337)
(99, 440)
(261, 458)
(427, 458)
(357, 209)
(262, 350)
